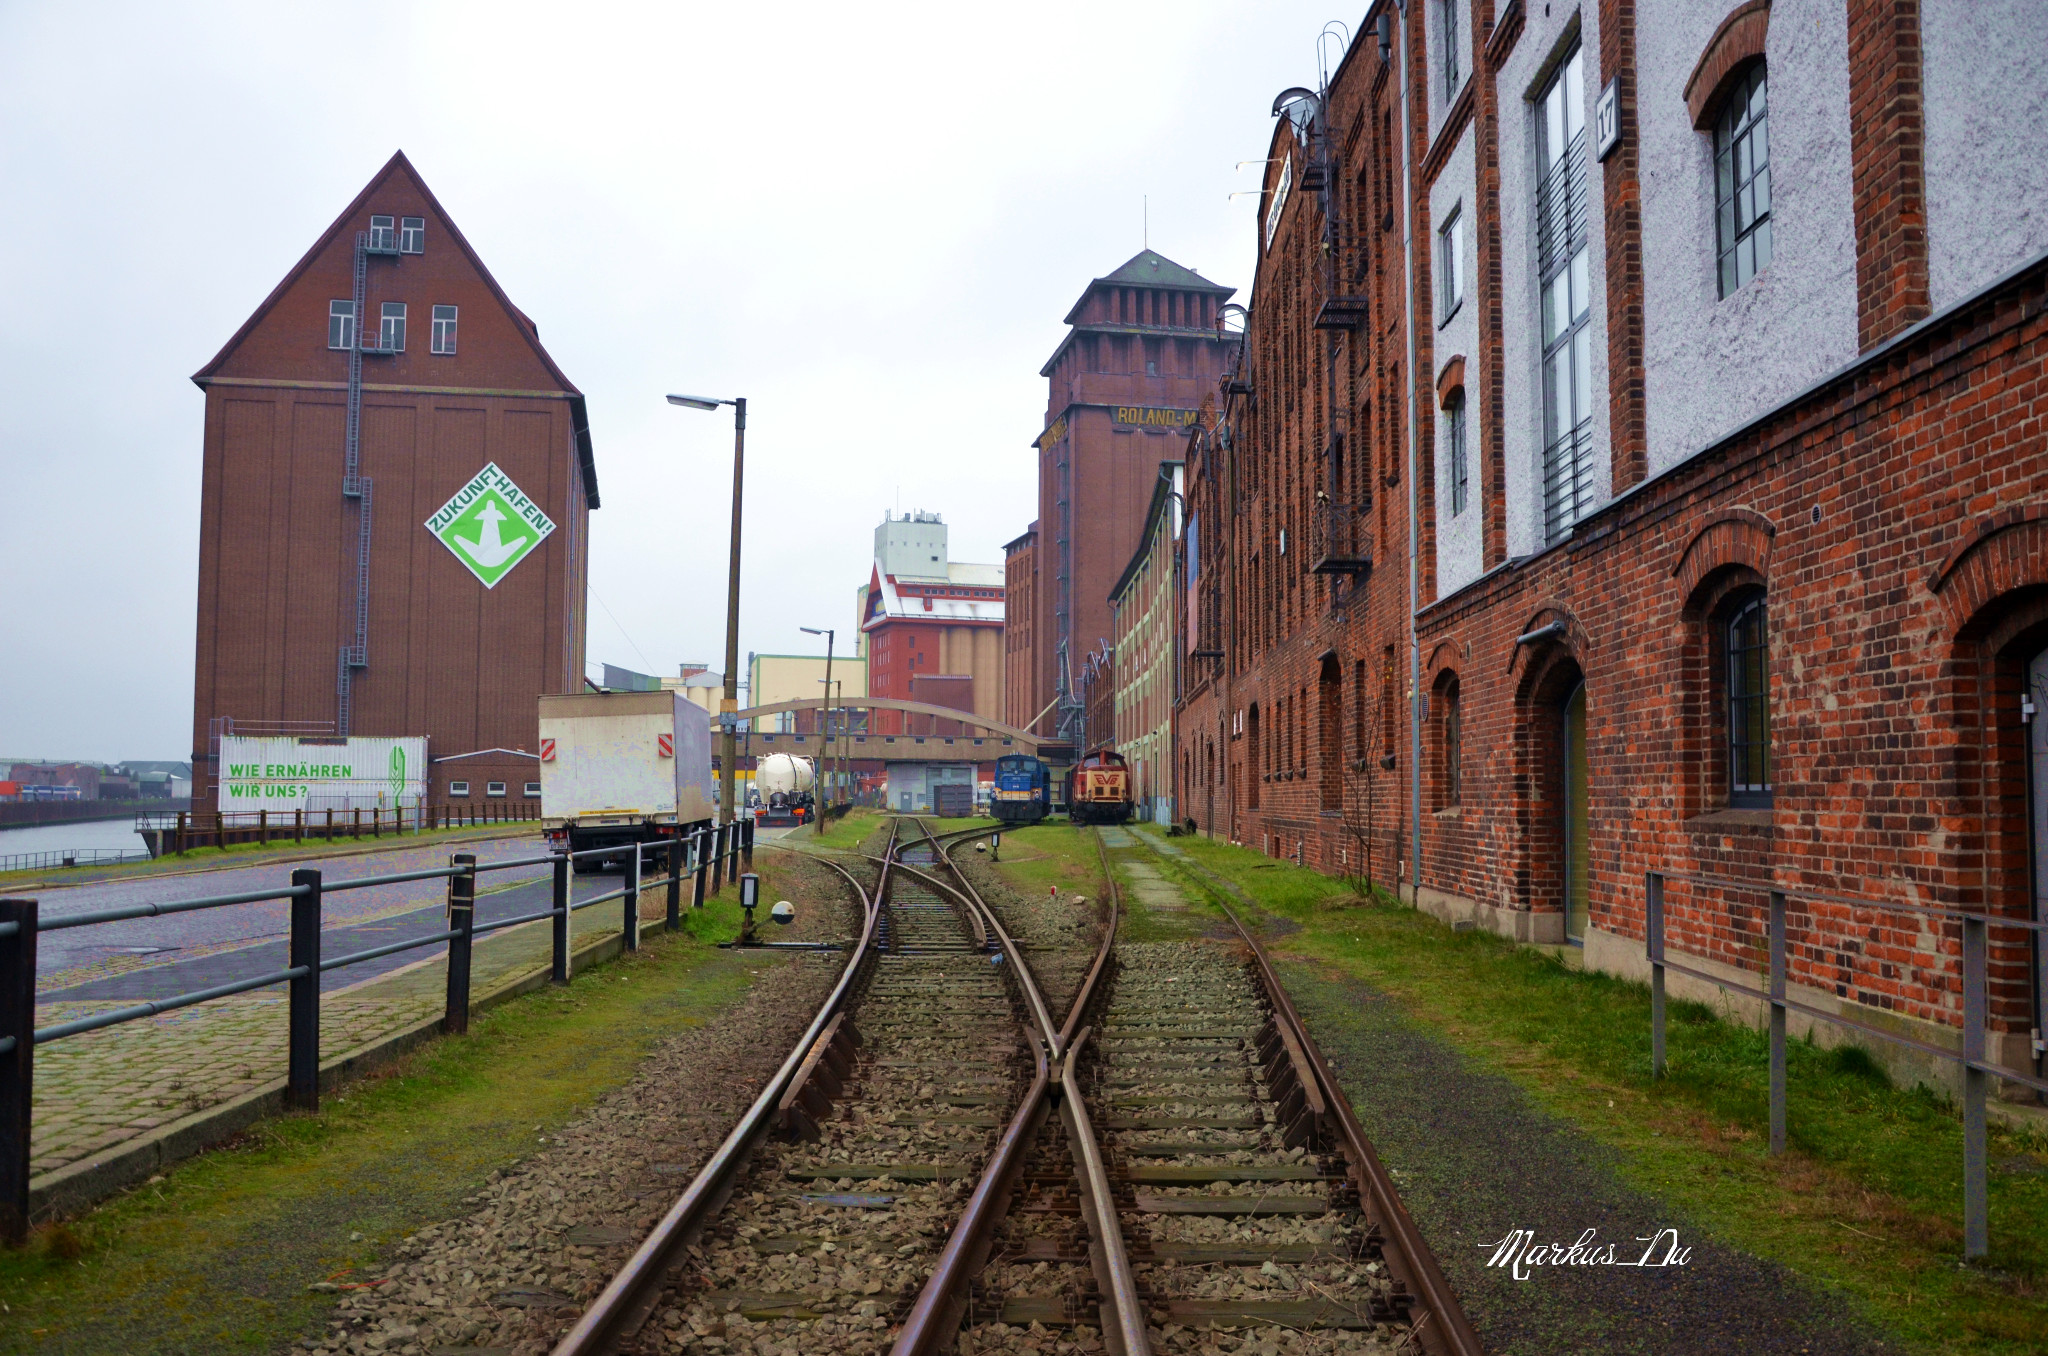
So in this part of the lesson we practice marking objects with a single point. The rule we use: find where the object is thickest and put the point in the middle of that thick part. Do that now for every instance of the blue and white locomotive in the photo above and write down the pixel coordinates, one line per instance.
(1023, 793)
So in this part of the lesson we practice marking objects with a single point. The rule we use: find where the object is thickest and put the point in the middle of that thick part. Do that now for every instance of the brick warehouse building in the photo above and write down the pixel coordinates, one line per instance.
(1728, 506)
(1141, 351)
(326, 605)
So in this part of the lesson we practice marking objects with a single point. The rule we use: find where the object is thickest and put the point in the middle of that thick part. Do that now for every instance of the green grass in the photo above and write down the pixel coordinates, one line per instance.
(216, 1255)
(1867, 1201)
(1036, 858)
(844, 833)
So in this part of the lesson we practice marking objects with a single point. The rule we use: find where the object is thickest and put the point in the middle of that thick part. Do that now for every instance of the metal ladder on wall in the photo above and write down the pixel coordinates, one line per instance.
(358, 487)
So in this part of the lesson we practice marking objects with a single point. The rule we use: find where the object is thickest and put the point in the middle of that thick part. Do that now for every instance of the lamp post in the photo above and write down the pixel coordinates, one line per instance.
(826, 724)
(728, 707)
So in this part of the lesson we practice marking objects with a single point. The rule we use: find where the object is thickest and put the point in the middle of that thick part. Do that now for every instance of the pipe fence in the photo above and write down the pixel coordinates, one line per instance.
(188, 829)
(708, 850)
(1977, 1072)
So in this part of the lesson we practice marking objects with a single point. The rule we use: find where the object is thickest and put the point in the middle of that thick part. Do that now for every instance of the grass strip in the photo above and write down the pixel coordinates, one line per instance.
(216, 1255)
(1867, 1201)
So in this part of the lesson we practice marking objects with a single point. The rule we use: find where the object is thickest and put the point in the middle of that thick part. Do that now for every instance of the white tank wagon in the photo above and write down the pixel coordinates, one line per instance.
(786, 786)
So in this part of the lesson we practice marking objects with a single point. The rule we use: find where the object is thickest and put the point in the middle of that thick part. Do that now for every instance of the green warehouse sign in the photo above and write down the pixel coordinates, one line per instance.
(490, 525)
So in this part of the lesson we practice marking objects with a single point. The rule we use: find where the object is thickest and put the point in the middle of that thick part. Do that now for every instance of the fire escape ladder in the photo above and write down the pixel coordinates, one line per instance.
(354, 485)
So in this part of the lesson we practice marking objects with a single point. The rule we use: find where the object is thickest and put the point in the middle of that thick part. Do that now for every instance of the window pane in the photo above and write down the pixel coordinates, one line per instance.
(1581, 294)
(1582, 375)
(1553, 114)
(1574, 85)
(1762, 239)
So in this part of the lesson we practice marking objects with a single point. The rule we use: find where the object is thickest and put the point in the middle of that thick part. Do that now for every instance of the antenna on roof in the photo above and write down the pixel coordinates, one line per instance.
(1147, 210)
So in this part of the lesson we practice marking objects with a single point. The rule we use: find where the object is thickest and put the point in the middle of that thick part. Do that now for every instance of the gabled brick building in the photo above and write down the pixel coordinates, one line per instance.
(1626, 470)
(374, 384)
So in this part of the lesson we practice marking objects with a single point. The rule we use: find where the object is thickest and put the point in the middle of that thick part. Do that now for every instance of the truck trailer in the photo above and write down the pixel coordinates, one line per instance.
(622, 767)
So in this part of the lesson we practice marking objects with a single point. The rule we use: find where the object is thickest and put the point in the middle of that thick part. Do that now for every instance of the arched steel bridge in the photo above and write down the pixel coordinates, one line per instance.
(997, 739)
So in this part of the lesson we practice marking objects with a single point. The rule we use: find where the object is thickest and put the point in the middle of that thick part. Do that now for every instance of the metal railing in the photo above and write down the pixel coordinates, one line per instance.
(1340, 542)
(708, 851)
(70, 857)
(188, 829)
(1977, 1072)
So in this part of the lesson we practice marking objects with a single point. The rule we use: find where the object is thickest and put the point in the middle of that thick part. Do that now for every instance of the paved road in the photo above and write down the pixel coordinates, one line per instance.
(72, 956)
(264, 957)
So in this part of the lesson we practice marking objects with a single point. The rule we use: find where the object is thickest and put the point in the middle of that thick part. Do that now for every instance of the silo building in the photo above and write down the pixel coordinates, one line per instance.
(394, 531)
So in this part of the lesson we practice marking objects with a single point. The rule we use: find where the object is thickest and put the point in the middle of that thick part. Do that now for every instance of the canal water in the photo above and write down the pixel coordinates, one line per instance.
(92, 833)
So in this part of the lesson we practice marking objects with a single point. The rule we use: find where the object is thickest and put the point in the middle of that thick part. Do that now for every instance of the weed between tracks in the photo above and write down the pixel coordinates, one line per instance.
(217, 1254)
(1868, 1201)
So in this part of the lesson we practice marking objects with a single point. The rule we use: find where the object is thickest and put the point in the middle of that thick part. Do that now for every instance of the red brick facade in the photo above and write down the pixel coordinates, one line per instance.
(1891, 188)
(1142, 352)
(1893, 519)
(446, 657)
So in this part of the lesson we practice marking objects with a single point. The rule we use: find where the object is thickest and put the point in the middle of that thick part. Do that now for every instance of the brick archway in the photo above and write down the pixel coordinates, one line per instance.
(1737, 42)
(1736, 536)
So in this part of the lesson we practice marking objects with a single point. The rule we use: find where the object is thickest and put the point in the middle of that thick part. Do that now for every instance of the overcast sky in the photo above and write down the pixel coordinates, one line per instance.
(867, 220)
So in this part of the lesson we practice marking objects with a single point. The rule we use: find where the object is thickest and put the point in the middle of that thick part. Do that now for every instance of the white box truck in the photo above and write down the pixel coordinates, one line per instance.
(622, 767)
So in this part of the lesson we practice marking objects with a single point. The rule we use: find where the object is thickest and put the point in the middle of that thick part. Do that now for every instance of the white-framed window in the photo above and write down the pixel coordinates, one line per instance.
(533, 790)
(341, 324)
(1452, 77)
(391, 327)
(383, 234)
(444, 329)
(458, 790)
(412, 235)
(1742, 183)
(1454, 444)
(494, 788)
(1564, 265)
(1450, 265)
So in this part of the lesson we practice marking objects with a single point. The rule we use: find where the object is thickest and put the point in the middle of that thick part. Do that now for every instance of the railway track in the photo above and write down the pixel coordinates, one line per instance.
(946, 1163)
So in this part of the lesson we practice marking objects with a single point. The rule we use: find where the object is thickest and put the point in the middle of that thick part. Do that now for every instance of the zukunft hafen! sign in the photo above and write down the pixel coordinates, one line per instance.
(287, 774)
(490, 525)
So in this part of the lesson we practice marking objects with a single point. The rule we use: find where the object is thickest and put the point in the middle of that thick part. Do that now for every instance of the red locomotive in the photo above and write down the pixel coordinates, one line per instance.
(1099, 789)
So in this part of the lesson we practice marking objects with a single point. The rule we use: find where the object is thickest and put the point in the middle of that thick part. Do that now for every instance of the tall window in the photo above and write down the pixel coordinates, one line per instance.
(1454, 748)
(412, 235)
(391, 327)
(1454, 440)
(341, 324)
(444, 329)
(1450, 263)
(1742, 182)
(1749, 707)
(1451, 77)
(1562, 253)
(384, 234)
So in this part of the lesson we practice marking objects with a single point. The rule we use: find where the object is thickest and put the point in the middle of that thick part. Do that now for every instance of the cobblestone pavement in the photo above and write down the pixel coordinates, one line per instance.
(95, 1090)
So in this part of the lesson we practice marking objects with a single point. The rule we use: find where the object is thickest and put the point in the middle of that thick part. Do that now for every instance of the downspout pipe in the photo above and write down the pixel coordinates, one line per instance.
(1414, 479)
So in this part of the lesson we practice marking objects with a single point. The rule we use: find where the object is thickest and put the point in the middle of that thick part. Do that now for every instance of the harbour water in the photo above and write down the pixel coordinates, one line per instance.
(92, 833)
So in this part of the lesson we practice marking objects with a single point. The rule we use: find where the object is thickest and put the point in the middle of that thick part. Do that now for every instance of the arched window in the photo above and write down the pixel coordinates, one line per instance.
(1742, 182)
(1749, 706)
(1453, 747)
(1454, 446)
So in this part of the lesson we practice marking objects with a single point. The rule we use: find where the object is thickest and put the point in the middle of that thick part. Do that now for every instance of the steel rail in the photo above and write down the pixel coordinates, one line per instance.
(625, 1303)
(1116, 1276)
(1442, 1329)
(934, 1320)
(1033, 998)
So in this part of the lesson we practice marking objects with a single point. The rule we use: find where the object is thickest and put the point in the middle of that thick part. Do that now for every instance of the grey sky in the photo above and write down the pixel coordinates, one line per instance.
(867, 221)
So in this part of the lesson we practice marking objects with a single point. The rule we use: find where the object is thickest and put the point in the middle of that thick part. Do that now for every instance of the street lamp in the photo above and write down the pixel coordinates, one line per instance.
(728, 707)
(826, 712)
